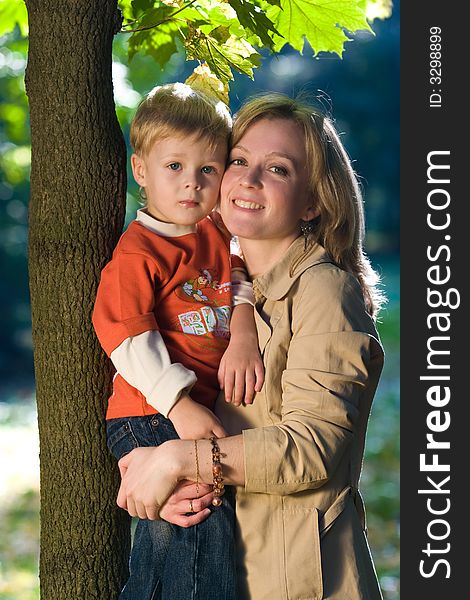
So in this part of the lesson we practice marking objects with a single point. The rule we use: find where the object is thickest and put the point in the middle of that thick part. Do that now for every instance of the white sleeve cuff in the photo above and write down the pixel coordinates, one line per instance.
(143, 361)
(167, 391)
(242, 293)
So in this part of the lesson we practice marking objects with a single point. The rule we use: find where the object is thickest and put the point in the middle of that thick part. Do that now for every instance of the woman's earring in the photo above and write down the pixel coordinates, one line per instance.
(142, 194)
(306, 227)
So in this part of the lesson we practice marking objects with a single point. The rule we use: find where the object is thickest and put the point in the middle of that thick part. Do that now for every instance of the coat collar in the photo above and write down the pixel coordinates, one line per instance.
(276, 283)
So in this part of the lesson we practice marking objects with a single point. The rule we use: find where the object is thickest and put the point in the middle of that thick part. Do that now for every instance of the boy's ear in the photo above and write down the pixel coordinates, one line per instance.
(138, 169)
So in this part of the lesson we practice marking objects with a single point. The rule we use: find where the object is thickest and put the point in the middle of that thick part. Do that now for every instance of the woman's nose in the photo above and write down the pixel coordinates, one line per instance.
(251, 178)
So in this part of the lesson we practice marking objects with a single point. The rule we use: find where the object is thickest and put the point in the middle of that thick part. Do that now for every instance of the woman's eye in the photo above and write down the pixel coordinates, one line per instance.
(279, 170)
(174, 166)
(236, 161)
(206, 170)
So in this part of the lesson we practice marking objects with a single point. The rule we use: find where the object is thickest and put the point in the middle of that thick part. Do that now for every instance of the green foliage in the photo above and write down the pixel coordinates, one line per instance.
(19, 545)
(19, 500)
(13, 13)
(255, 20)
(158, 35)
(226, 36)
(321, 22)
(14, 114)
(14, 145)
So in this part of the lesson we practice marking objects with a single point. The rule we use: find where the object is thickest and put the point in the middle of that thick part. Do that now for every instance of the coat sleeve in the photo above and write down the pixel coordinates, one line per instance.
(325, 375)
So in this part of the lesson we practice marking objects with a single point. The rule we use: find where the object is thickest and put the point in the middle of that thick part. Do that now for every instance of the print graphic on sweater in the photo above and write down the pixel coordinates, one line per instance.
(205, 288)
(194, 288)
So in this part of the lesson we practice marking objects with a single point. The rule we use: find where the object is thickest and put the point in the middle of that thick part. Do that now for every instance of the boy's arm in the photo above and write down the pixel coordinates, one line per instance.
(241, 371)
(126, 327)
(193, 421)
(143, 361)
(125, 324)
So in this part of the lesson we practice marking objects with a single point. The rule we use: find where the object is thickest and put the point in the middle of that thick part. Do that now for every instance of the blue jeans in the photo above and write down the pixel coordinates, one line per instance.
(168, 562)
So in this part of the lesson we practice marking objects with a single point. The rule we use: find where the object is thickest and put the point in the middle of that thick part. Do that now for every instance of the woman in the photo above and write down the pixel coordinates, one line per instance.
(291, 197)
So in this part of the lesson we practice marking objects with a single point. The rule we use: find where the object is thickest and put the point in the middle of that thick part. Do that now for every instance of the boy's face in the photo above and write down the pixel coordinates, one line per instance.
(181, 177)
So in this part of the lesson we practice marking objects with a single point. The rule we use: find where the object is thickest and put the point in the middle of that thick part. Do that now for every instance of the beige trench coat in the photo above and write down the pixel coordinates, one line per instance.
(301, 522)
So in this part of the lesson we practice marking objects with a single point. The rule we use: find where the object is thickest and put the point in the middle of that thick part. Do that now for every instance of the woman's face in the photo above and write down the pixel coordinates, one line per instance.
(264, 192)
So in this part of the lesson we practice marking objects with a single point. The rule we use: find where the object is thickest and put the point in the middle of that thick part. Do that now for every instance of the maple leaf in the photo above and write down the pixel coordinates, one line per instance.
(322, 22)
(12, 13)
(204, 80)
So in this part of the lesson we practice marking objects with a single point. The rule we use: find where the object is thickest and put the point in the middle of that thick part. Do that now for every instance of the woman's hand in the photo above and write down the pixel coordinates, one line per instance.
(148, 477)
(183, 499)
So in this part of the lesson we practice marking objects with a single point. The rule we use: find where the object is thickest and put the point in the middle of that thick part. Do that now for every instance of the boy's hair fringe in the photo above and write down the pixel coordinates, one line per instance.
(333, 184)
(177, 109)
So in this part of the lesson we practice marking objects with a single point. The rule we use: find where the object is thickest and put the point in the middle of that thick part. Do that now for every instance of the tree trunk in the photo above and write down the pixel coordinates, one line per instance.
(78, 186)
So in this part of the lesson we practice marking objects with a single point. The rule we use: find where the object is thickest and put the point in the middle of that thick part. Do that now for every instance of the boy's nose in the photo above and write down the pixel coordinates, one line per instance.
(193, 183)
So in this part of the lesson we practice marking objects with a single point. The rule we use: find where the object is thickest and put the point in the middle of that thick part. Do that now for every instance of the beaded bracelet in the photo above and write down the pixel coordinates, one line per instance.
(217, 482)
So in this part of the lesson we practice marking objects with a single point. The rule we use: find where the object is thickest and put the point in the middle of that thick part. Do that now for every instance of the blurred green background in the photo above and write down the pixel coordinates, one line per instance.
(362, 93)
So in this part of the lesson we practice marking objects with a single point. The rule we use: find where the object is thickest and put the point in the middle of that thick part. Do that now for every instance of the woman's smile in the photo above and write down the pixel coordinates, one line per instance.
(247, 204)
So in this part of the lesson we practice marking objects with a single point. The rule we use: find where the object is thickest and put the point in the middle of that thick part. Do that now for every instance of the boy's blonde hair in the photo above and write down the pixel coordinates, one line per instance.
(339, 228)
(178, 109)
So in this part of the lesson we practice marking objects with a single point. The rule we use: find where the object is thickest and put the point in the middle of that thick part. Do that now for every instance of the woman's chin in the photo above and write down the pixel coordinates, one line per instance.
(242, 225)
(245, 232)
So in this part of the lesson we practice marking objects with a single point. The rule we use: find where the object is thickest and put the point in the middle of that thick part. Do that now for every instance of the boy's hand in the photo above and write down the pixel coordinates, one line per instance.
(241, 370)
(193, 421)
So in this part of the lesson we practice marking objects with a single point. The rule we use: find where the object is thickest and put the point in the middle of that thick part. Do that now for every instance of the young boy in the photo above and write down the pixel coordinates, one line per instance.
(163, 315)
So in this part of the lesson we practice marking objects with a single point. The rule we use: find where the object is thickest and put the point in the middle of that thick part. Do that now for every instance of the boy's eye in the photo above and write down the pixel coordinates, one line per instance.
(174, 166)
(207, 169)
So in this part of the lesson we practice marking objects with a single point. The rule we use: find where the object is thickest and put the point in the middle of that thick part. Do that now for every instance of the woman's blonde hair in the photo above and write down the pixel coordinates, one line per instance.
(178, 109)
(339, 228)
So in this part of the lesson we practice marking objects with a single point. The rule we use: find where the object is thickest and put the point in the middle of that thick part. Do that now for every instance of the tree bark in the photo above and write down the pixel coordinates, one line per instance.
(77, 207)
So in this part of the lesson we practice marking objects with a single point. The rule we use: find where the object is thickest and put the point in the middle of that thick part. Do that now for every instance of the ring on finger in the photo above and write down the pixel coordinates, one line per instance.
(191, 509)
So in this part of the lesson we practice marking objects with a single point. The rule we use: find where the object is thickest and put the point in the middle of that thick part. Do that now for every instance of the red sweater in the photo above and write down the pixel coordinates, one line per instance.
(179, 286)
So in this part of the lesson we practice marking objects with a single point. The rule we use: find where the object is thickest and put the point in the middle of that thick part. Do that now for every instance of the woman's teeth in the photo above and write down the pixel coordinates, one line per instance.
(245, 204)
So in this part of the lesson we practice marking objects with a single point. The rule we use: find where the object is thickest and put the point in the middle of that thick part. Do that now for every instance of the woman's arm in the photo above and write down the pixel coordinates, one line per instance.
(149, 475)
(332, 366)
